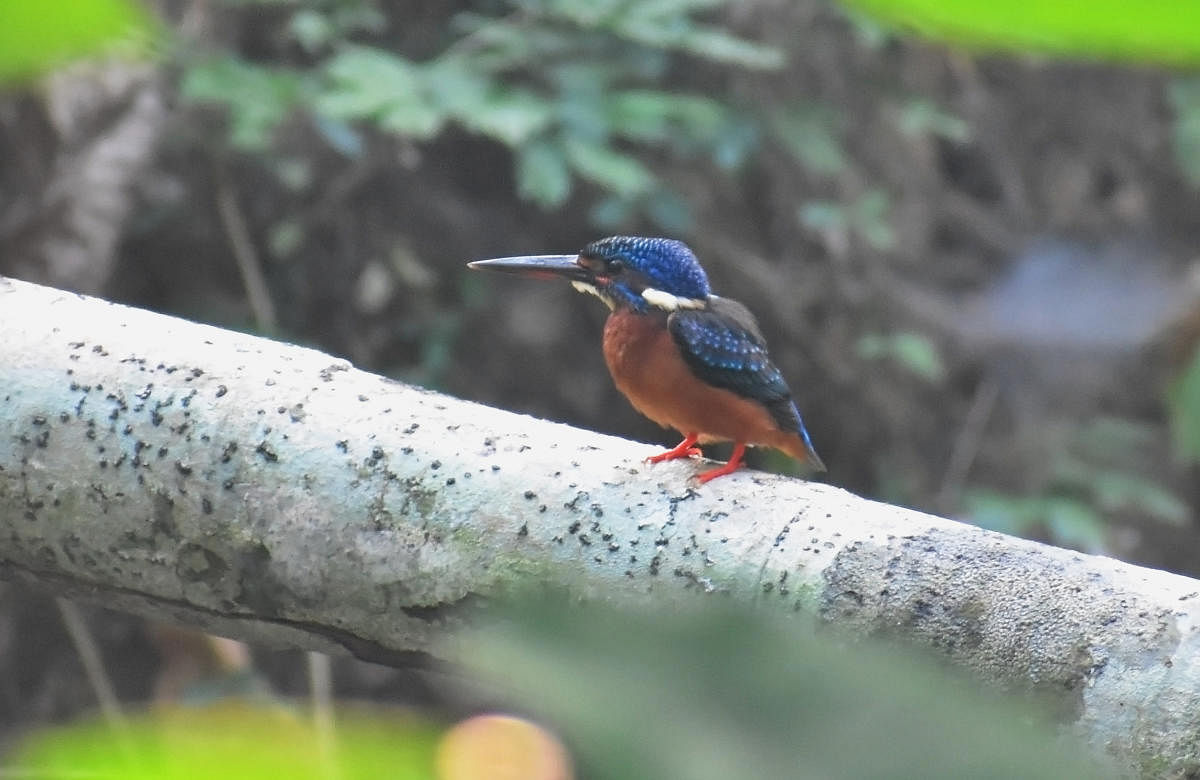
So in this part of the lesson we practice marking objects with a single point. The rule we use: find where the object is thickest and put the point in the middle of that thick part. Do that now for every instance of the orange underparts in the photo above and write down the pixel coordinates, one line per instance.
(687, 448)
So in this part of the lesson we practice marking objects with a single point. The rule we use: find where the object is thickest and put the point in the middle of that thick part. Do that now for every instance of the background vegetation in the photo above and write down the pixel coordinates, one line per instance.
(977, 269)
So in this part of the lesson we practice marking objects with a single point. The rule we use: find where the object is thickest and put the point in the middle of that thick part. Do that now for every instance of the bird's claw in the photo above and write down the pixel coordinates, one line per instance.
(690, 452)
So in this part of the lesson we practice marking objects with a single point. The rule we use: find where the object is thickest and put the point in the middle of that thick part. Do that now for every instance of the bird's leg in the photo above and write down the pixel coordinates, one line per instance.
(735, 462)
(685, 449)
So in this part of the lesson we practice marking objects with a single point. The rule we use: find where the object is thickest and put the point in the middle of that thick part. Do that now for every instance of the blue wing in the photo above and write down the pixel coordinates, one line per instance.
(723, 346)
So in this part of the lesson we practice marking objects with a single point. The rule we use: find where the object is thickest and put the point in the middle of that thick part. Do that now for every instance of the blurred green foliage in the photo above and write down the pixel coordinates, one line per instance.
(920, 116)
(810, 133)
(713, 691)
(912, 351)
(727, 692)
(259, 97)
(1184, 96)
(1183, 397)
(1065, 519)
(571, 87)
(1095, 475)
(1071, 508)
(233, 739)
(867, 218)
(35, 38)
(1160, 31)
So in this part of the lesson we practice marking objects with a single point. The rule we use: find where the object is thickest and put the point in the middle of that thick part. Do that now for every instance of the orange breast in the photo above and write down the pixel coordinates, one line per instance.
(646, 365)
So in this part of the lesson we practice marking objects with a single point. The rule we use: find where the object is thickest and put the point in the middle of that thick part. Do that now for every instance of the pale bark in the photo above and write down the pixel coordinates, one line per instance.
(269, 492)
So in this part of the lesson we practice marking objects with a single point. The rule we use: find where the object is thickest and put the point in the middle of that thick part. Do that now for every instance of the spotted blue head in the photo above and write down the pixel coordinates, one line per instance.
(626, 272)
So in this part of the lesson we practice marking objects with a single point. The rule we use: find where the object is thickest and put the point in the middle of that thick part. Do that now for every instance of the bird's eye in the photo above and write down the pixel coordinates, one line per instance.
(616, 266)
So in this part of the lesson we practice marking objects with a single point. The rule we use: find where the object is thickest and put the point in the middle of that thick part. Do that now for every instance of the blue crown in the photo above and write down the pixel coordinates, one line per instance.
(669, 264)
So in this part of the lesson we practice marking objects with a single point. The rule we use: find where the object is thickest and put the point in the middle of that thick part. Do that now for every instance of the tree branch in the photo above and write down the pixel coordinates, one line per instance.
(274, 493)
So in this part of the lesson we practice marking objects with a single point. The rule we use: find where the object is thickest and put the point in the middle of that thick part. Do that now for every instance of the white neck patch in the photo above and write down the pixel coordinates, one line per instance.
(668, 302)
(584, 287)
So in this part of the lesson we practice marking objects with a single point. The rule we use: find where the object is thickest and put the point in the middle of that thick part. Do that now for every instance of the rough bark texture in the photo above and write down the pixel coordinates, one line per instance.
(271, 492)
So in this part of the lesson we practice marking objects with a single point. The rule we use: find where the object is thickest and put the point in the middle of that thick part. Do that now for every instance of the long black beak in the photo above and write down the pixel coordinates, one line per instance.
(537, 267)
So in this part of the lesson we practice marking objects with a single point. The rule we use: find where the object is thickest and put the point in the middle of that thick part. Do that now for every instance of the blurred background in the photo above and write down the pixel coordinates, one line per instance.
(977, 268)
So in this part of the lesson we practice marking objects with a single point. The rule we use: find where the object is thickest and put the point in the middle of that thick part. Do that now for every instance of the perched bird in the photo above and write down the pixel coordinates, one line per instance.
(685, 358)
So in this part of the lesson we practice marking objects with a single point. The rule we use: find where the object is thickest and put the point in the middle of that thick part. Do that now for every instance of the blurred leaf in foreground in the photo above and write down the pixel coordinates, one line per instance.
(38, 37)
(1162, 31)
(233, 740)
(722, 694)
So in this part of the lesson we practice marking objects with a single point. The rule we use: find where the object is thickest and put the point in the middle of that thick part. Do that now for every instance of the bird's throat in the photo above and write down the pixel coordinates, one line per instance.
(590, 289)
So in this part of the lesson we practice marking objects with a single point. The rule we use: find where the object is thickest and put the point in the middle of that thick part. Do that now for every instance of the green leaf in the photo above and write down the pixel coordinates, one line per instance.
(1073, 523)
(666, 24)
(1117, 438)
(1184, 94)
(311, 29)
(714, 44)
(610, 169)
(640, 115)
(921, 116)
(369, 84)
(356, 16)
(581, 91)
(542, 174)
(285, 238)
(871, 220)
(872, 346)
(498, 45)
(258, 98)
(38, 37)
(1117, 490)
(823, 216)
(366, 80)
(644, 24)
(810, 134)
(511, 116)
(653, 115)
(911, 350)
(1162, 31)
(739, 137)
(455, 85)
(232, 740)
(415, 119)
(295, 173)
(919, 355)
(867, 31)
(1001, 512)
(1183, 397)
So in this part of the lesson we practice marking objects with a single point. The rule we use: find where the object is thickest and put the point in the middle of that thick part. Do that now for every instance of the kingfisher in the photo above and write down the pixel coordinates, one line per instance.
(684, 357)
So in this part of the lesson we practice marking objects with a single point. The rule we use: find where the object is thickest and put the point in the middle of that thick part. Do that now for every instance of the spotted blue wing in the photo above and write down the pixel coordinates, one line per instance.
(725, 349)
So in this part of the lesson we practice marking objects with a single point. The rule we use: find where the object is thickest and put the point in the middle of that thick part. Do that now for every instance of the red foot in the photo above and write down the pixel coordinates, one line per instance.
(735, 462)
(684, 449)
